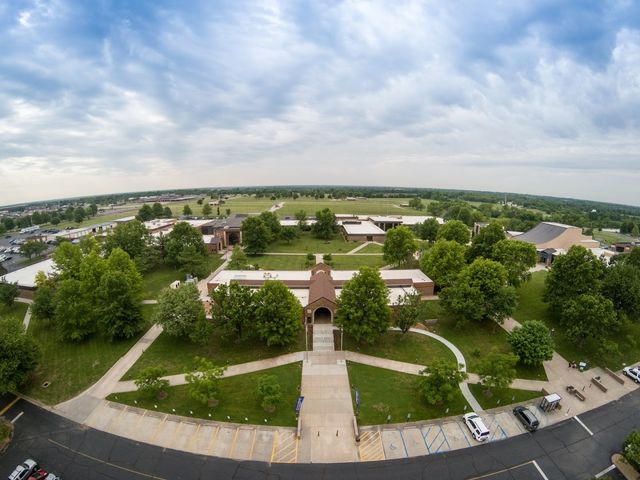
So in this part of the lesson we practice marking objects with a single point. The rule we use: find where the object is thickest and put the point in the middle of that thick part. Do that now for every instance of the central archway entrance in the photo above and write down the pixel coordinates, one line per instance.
(322, 315)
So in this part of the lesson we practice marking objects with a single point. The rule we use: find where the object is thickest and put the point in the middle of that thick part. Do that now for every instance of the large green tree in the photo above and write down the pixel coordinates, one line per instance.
(278, 314)
(233, 310)
(443, 262)
(238, 260)
(428, 230)
(181, 312)
(19, 354)
(255, 235)
(8, 292)
(184, 243)
(74, 317)
(438, 382)
(480, 293)
(454, 230)
(145, 213)
(407, 311)
(132, 237)
(270, 392)
(204, 382)
(622, 286)
(399, 246)
(32, 247)
(517, 257)
(497, 370)
(482, 244)
(588, 315)
(157, 210)
(363, 310)
(149, 381)
(532, 342)
(576, 273)
(325, 226)
(272, 223)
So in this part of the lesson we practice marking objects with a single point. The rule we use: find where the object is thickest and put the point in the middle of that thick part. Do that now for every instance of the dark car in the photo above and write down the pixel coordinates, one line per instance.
(38, 475)
(527, 418)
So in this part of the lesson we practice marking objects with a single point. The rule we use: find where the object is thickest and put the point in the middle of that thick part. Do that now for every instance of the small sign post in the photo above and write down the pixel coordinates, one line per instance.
(299, 404)
(357, 401)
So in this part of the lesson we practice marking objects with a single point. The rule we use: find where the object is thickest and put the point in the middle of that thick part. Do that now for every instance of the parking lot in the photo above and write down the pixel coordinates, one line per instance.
(17, 261)
(412, 440)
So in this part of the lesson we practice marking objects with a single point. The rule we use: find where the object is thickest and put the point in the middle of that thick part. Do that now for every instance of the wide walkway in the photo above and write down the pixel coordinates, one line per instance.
(326, 417)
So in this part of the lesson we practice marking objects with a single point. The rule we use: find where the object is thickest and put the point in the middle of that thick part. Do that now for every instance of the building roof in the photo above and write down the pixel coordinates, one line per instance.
(416, 219)
(125, 219)
(362, 228)
(26, 277)
(321, 286)
(543, 232)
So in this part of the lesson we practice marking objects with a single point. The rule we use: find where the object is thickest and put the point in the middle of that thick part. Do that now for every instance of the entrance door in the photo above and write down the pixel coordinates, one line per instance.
(322, 315)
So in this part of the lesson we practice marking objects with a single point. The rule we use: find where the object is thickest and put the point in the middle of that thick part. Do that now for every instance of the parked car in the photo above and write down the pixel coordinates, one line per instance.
(527, 418)
(51, 476)
(477, 427)
(22, 471)
(632, 372)
(39, 474)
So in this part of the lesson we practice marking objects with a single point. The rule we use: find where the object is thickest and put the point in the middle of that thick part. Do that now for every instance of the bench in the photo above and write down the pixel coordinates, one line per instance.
(614, 375)
(579, 395)
(598, 384)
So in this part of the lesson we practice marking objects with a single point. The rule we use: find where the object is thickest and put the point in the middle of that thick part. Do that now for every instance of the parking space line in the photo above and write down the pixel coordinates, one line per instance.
(233, 443)
(122, 410)
(175, 432)
(605, 471)
(140, 417)
(214, 439)
(194, 437)
(463, 434)
(155, 434)
(17, 417)
(253, 442)
(496, 423)
(404, 445)
(275, 443)
(535, 464)
(424, 438)
(8, 407)
(583, 425)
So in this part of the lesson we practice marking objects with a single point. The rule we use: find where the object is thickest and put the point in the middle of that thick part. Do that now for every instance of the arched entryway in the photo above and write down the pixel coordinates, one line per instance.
(322, 315)
(233, 238)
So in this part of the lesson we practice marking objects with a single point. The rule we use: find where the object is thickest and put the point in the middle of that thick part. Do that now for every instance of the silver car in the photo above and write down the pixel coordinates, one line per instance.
(23, 470)
(632, 372)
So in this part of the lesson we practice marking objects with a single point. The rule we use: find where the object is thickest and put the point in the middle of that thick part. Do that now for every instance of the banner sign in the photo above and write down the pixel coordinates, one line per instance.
(299, 404)
(357, 398)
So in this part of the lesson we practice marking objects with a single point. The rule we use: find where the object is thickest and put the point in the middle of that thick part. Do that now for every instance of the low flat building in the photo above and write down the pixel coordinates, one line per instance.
(25, 277)
(552, 239)
(362, 231)
(319, 288)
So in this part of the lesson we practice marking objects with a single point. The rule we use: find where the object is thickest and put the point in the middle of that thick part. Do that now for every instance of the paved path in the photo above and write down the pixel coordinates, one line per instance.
(326, 417)
(202, 284)
(231, 371)
(150, 302)
(360, 247)
(81, 406)
(27, 314)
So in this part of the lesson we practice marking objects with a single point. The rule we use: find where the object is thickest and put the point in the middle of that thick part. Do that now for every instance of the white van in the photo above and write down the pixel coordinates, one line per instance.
(477, 427)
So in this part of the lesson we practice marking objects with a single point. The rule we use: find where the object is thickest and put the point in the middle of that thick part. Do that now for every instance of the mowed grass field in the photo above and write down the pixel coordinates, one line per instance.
(386, 393)
(278, 262)
(501, 396)
(17, 310)
(71, 367)
(306, 243)
(238, 399)
(354, 262)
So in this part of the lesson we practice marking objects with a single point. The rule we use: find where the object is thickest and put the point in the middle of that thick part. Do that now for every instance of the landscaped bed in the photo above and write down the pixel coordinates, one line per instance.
(176, 354)
(501, 396)
(409, 347)
(162, 276)
(72, 367)
(238, 399)
(385, 392)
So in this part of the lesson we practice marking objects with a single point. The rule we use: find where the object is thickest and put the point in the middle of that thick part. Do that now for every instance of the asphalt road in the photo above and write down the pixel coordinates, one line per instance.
(563, 451)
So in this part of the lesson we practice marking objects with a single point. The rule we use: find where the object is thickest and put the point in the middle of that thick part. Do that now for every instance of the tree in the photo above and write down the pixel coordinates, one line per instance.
(204, 382)
(180, 311)
(517, 257)
(497, 370)
(93, 209)
(132, 237)
(206, 210)
(187, 210)
(532, 342)
(157, 210)
(631, 449)
(270, 391)
(119, 312)
(428, 230)
(443, 262)
(288, 234)
(167, 213)
(272, 223)
(416, 203)
(622, 286)
(145, 213)
(588, 315)
(480, 293)
(19, 354)
(454, 230)
(576, 273)
(407, 311)
(439, 382)
(79, 214)
(8, 292)
(67, 258)
(325, 226)
(233, 310)
(149, 382)
(301, 216)
(73, 315)
(238, 260)
(32, 247)
(255, 235)
(399, 246)
(635, 231)
(633, 258)
(278, 314)
(193, 262)
(482, 244)
(180, 238)
(199, 201)
(43, 307)
(363, 310)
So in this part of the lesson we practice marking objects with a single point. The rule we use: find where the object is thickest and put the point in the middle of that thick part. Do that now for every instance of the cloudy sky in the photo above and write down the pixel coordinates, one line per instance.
(105, 96)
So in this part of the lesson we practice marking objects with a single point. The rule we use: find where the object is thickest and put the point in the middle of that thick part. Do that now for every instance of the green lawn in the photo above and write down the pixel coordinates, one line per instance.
(238, 399)
(385, 392)
(371, 248)
(354, 262)
(176, 355)
(409, 347)
(371, 206)
(531, 307)
(5, 431)
(73, 367)
(162, 276)
(611, 237)
(279, 262)
(17, 310)
(475, 340)
(501, 396)
(306, 243)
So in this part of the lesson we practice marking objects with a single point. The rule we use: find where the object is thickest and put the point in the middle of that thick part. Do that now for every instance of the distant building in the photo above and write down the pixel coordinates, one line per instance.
(553, 239)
